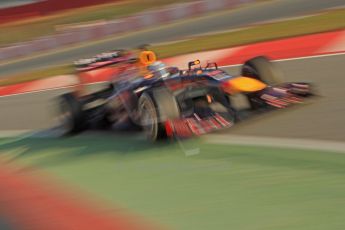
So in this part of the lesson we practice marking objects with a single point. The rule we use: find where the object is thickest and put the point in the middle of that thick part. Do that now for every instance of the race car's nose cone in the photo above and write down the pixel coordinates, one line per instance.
(242, 85)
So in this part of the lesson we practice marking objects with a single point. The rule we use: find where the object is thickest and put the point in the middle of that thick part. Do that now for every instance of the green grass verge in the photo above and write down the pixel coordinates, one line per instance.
(42, 26)
(223, 187)
(328, 21)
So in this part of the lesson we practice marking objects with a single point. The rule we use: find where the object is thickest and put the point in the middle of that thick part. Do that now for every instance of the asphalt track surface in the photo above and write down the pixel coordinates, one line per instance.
(321, 118)
(226, 20)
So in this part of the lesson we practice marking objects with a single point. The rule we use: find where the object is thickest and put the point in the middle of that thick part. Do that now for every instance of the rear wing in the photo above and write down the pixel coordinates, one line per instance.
(209, 65)
(102, 60)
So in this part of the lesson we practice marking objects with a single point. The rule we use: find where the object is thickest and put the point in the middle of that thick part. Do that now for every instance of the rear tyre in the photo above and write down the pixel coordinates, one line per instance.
(155, 108)
(71, 115)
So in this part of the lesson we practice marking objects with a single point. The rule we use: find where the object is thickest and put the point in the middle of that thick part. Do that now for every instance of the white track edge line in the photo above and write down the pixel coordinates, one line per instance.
(275, 142)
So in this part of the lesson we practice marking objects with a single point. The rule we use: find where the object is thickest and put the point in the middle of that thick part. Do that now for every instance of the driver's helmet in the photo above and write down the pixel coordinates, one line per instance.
(147, 57)
(158, 70)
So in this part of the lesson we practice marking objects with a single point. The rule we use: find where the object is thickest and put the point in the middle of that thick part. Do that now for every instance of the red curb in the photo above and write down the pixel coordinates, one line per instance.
(13, 89)
(29, 204)
(285, 48)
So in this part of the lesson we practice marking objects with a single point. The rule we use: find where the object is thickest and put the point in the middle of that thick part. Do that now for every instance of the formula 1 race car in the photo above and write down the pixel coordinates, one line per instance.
(169, 102)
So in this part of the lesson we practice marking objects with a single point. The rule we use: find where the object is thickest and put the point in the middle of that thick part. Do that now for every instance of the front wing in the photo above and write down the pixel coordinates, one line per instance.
(279, 97)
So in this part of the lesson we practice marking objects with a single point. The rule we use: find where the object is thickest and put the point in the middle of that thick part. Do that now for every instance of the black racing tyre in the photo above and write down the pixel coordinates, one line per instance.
(262, 69)
(71, 115)
(156, 107)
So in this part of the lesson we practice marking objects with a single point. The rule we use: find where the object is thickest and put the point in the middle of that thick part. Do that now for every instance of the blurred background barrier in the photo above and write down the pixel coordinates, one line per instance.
(12, 3)
(89, 32)
(25, 8)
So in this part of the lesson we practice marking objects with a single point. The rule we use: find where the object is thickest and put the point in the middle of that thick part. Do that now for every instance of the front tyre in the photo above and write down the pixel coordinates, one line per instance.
(262, 69)
(155, 108)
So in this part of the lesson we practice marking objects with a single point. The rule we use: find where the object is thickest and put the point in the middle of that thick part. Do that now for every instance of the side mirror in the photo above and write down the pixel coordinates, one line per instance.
(193, 63)
(211, 65)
